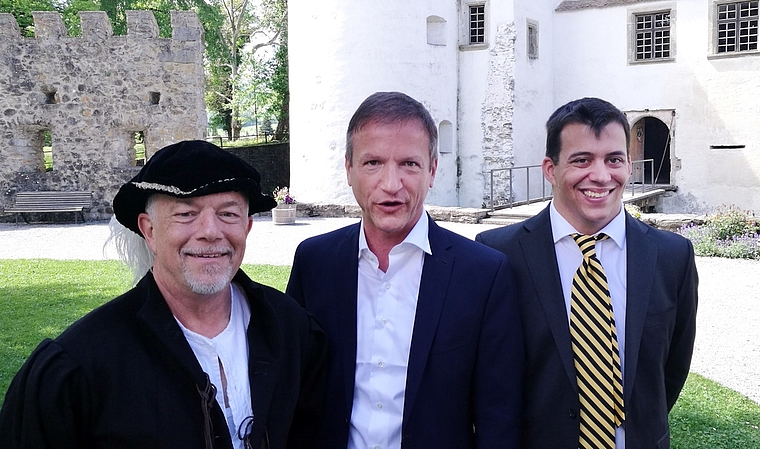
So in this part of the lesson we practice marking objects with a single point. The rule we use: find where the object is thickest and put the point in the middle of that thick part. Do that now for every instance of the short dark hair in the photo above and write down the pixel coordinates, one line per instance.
(389, 108)
(594, 112)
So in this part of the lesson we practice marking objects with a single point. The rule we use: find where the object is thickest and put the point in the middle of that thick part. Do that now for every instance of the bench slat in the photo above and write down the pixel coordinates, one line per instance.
(50, 201)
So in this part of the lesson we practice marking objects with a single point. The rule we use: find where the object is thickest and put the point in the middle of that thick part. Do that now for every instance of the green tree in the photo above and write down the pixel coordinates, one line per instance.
(278, 84)
(247, 26)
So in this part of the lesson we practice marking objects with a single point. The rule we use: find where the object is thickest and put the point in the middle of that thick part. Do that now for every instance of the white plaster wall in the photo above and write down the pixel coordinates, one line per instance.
(341, 52)
(715, 99)
(472, 92)
(486, 77)
(534, 94)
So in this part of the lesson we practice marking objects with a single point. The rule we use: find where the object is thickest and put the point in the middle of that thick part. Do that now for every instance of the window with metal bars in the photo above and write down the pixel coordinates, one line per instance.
(477, 24)
(737, 27)
(653, 36)
(532, 40)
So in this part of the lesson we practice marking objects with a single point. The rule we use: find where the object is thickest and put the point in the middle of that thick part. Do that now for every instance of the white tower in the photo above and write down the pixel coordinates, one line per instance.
(456, 57)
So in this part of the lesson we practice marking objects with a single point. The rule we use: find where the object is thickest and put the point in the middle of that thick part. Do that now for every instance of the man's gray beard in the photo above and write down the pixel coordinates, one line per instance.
(219, 281)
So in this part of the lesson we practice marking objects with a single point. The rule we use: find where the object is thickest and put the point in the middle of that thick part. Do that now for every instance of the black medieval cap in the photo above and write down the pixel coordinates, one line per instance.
(189, 169)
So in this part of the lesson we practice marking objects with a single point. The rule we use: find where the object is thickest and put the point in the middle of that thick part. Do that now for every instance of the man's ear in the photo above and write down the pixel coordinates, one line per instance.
(347, 163)
(250, 225)
(547, 167)
(433, 169)
(145, 224)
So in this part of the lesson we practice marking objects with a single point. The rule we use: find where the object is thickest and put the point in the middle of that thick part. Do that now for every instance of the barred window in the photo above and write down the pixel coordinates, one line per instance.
(478, 24)
(653, 36)
(737, 27)
(532, 40)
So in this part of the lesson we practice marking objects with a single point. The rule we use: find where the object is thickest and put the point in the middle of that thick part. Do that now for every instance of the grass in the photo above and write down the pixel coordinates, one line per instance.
(709, 416)
(40, 298)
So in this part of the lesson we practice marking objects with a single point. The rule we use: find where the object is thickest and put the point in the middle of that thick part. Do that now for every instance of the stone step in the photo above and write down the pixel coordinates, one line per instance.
(503, 221)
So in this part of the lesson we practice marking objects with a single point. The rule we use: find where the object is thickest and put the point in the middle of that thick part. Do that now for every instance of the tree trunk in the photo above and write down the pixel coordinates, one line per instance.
(236, 127)
(283, 122)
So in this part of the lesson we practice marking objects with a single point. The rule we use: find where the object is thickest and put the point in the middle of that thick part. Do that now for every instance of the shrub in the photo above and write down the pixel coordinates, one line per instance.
(729, 222)
(729, 232)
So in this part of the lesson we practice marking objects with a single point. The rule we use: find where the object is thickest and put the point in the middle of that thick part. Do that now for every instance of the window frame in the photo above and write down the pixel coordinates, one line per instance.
(531, 51)
(715, 19)
(466, 28)
(633, 31)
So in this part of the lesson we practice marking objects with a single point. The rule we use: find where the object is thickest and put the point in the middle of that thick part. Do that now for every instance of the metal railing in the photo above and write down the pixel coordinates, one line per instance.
(259, 138)
(511, 201)
(638, 170)
(638, 175)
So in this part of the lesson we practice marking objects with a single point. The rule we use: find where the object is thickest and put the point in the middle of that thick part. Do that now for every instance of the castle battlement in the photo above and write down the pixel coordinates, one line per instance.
(97, 26)
(94, 98)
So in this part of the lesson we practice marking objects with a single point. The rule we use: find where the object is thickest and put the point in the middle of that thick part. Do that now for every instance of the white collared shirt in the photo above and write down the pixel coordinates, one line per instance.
(612, 254)
(385, 311)
(230, 348)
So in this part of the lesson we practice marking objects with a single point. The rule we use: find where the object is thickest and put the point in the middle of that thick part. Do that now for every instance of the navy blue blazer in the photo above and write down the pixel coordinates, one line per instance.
(464, 378)
(661, 307)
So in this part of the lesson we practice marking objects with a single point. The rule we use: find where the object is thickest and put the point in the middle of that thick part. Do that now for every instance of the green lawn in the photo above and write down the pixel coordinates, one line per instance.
(709, 416)
(40, 298)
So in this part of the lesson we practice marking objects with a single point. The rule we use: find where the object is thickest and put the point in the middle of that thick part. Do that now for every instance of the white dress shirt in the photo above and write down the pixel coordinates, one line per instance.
(612, 254)
(385, 311)
(229, 349)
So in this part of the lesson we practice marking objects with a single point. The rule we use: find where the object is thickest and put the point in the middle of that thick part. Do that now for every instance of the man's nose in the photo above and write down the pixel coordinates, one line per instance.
(600, 172)
(208, 224)
(391, 181)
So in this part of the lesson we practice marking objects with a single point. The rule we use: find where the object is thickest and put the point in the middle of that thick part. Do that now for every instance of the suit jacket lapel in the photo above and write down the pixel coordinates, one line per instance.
(641, 259)
(434, 283)
(265, 356)
(157, 316)
(538, 249)
(346, 262)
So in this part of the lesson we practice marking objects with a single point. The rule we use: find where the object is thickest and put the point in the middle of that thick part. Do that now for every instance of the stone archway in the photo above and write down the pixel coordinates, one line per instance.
(651, 138)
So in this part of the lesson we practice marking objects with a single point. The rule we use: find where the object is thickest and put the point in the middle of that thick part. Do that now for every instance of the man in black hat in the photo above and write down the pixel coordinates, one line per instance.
(196, 355)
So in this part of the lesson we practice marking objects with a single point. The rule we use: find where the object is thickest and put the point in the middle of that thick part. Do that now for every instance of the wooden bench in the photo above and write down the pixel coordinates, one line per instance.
(50, 201)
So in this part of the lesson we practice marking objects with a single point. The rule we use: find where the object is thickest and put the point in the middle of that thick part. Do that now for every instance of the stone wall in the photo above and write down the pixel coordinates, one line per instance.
(271, 160)
(93, 94)
(497, 115)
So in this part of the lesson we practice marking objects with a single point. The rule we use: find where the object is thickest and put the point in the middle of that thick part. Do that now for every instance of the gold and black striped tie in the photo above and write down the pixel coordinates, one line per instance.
(595, 350)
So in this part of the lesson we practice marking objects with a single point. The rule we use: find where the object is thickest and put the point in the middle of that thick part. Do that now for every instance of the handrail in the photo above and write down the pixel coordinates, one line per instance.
(632, 182)
(511, 199)
(511, 202)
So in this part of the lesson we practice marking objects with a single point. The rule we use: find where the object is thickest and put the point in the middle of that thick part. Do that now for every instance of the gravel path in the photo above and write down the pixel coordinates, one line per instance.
(728, 323)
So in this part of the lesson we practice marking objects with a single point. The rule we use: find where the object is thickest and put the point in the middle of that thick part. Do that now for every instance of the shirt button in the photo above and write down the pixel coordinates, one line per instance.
(387, 285)
(379, 406)
(381, 364)
(384, 320)
(572, 413)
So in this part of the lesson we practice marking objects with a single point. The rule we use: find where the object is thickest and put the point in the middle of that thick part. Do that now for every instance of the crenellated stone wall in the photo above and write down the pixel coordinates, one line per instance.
(93, 94)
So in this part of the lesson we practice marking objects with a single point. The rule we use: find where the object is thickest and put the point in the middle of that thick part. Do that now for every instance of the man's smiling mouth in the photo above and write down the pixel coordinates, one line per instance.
(591, 194)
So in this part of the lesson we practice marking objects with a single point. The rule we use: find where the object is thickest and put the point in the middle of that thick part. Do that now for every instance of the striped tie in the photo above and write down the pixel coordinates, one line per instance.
(595, 349)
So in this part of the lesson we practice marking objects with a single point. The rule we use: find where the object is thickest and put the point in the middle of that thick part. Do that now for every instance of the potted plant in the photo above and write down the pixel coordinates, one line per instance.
(285, 212)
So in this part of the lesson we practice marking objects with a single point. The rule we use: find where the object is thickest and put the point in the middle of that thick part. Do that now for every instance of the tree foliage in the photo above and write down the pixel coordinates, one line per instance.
(235, 69)
(22, 10)
(278, 84)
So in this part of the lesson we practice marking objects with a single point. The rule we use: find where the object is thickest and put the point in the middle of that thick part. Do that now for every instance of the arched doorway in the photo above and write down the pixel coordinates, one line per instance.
(650, 139)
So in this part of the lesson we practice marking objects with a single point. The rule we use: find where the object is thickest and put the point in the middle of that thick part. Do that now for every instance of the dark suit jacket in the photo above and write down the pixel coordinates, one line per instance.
(464, 378)
(124, 376)
(660, 325)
